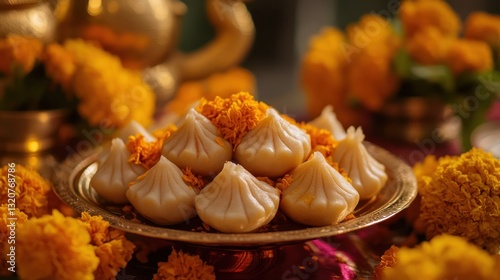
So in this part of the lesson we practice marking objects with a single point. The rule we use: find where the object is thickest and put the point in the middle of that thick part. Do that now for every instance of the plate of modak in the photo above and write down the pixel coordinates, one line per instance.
(236, 172)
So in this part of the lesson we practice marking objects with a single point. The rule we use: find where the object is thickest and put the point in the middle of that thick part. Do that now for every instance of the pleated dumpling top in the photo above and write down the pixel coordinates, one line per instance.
(198, 144)
(367, 174)
(134, 128)
(274, 147)
(114, 173)
(328, 120)
(236, 202)
(318, 195)
(162, 196)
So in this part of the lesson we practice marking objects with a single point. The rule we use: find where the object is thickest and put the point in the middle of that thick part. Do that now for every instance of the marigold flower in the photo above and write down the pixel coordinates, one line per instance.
(59, 65)
(417, 15)
(428, 46)
(54, 247)
(444, 257)
(110, 246)
(19, 51)
(370, 77)
(469, 56)
(6, 238)
(142, 152)
(462, 197)
(184, 266)
(235, 115)
(322, 71)
(423, 173)
(31, 191)
(106, 90)
(387, 261)
(484, 27)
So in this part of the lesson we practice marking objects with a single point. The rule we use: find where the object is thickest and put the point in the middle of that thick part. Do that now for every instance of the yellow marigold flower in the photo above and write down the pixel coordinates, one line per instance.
(322, 71)
(387, 261)
(8, 229)
(444, 257)
(424, 172)
(235, 115)
(462, 197)
(108, 91)
(59, 65)
(19, 51)
(484, 27)
(31, 191)
(184, 266)
(110, 246)
(469, 56)
(417, 15)
(54, 247)
(370, 77)
(428, 46)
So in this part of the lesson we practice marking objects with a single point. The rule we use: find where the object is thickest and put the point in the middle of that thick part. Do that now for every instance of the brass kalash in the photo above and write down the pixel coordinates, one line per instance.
(144, 35)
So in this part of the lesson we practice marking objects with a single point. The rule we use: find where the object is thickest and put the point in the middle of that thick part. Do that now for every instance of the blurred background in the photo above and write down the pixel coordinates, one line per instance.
(283, 29)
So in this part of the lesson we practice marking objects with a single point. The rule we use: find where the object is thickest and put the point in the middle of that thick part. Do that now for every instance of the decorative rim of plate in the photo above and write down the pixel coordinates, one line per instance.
(405, 192)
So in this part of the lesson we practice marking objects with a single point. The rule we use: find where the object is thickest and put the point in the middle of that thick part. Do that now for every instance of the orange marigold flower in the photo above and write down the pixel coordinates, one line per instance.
(31, 190)
(370, 78)
(196, 181)
(469, 56)
(19, 51)
(59, 65)
(484, 27)
(110, 246)
(142, 152)
(322, 71)
(235, 115)
(8, 234)
(417, 15)
(428, 46)
(184, 266)
(106, 90)
(444, 257)
(54, 247)
(462, 197)
(387, 261)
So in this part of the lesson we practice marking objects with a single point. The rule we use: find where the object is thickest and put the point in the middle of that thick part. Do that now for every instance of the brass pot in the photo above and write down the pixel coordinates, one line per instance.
(33, 18)
(30, 131)
(414, 119)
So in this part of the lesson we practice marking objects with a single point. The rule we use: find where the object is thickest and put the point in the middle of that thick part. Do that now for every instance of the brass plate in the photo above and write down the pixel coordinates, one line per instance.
(73, 187)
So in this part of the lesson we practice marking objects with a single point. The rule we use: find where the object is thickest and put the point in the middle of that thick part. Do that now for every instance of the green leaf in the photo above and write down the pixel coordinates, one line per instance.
(403, 63)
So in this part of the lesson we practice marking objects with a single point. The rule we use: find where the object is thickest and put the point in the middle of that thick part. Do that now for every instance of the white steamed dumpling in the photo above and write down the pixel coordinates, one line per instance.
(367, 174)
(328, 120)
(114, 173)
(198, 144)
(273, 147)
(236, 201)
(134, 128)
(162, 196)
(318, 194)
